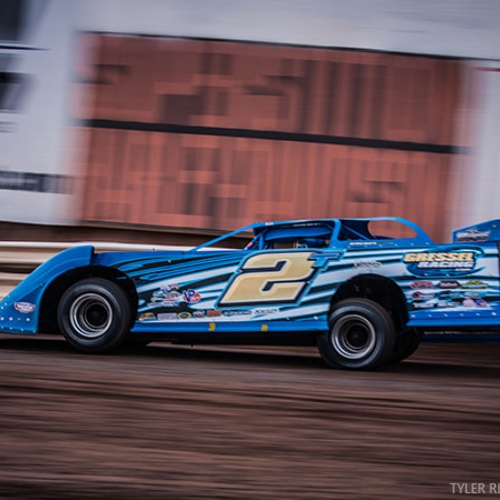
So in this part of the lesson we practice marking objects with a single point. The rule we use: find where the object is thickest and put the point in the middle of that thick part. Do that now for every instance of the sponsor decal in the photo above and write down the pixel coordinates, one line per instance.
(472, 295)
(476, 284)
(228, 314)
(166, 316)
(198, 314)
(164, 303)
(271, 310)
(147, 316)
(469, 303)
(428, 304)
(24, 307)
(366, 264)
(449, 284)
(168, 304)
(164, 294)
(472, 235)
(423, 295)
(450, 294)
(165, 297)
(363, 243)
(191, 296)
(481, 303)
(422, 284)
(213, 313)
(436, 263)
(444, 303)
(184, 315)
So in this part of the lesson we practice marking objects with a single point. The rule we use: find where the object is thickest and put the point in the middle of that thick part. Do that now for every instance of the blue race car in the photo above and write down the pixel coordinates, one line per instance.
(365, 297)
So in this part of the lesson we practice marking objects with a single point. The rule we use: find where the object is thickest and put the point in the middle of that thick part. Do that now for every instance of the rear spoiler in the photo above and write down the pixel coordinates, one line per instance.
(485, 231)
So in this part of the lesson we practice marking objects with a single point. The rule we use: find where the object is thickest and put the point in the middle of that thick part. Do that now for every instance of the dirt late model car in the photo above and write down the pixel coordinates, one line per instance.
(365, 297)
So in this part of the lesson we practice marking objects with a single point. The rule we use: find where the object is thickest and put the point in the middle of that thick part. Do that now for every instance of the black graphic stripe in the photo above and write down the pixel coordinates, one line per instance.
(165, 267)
(13, 46)
(271, 135)
(36, 182)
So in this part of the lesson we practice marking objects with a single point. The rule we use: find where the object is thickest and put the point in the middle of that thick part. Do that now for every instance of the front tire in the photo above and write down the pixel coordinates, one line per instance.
(94, 315)
(406, 344)
(361, 335)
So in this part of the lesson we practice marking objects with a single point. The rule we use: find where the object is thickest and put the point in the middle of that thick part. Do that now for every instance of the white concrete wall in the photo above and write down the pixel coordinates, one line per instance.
(463, 28)
(34, 115)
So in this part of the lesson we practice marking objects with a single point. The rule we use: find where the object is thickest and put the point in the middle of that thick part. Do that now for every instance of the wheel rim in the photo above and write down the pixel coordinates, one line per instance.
(90, 315)
(353, 336)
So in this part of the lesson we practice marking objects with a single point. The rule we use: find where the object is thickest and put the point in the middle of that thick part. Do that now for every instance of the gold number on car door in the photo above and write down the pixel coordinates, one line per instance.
(270, 277)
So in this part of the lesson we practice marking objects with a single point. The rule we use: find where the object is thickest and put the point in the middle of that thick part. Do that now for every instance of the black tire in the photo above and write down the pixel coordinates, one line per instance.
(94, 315)
(361, 335)
(406, 344)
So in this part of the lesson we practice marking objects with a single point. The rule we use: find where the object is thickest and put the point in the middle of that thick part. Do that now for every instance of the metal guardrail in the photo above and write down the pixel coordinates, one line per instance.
(19, 258)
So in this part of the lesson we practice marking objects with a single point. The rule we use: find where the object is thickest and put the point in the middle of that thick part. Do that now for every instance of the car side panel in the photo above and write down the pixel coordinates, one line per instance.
(280, 290)
(20, 309)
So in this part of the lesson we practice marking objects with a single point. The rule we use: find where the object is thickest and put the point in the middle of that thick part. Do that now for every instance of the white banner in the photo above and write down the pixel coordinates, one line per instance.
(477, 172)
(36, 48)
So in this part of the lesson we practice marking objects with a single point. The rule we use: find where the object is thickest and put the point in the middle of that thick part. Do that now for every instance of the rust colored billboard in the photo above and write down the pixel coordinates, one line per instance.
(214, 135)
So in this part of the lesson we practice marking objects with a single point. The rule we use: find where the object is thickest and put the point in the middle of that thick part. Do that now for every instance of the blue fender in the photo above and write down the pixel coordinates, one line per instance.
(20, 310)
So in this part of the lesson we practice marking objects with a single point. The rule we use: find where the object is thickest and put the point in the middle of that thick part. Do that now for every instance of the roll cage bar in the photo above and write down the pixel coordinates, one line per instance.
(332, 232)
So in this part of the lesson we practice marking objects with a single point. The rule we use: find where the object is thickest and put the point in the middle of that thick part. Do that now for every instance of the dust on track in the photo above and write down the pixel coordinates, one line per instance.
(189, 423)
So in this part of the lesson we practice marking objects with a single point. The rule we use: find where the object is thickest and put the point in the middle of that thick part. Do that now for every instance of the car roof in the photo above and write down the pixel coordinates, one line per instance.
(318, 227)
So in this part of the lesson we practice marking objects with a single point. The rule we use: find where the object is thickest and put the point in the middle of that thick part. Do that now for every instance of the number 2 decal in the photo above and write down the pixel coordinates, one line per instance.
(271, 277)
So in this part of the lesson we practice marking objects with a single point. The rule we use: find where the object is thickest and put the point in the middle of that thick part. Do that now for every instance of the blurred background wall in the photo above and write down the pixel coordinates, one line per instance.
(36, 52)
(216, 113)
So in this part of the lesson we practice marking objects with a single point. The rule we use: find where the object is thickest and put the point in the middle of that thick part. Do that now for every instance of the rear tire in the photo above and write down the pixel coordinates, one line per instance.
(94, 315)
(361, 335)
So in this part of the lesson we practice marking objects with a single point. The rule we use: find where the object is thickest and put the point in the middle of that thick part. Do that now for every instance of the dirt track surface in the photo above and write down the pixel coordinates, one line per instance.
(193, 423)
